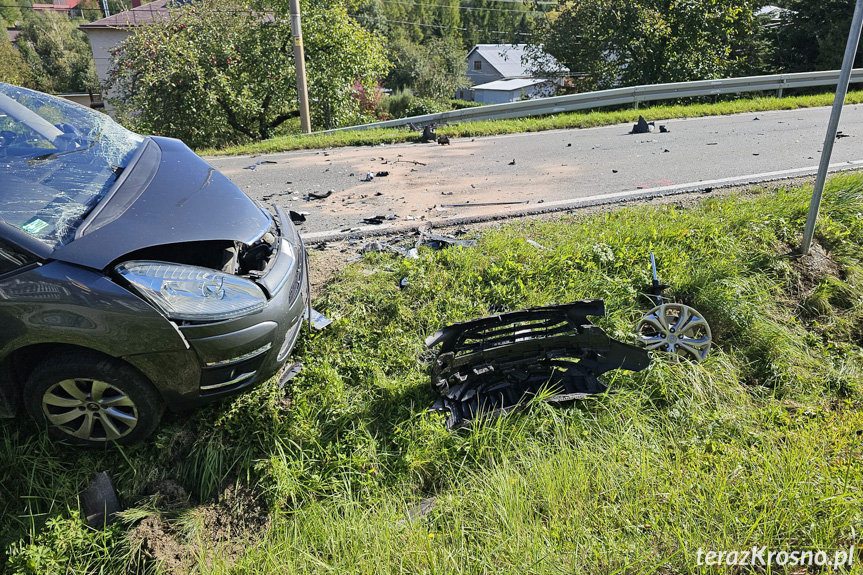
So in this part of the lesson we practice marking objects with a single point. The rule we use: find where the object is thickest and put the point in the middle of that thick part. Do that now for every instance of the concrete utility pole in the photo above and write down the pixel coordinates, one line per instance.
(300, 63)
(838, 103)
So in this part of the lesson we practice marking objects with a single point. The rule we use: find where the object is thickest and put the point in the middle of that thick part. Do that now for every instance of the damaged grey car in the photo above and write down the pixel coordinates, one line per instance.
(134, 277)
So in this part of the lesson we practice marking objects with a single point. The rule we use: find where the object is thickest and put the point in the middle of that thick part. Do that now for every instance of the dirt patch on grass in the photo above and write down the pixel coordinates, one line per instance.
(158, 543)
(814, 267)
(167, 494)
(180, 541)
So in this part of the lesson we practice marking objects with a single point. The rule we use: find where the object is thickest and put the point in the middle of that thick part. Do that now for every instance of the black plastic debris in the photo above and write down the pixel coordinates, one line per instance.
(319, 196)
(382, 174)
(840, 135)
(643, 127)
(368, 177)
(297, 217)
(443, 140)
(468, 204)
(377, 220)
(664, 129)
(99, 501)
(493, 365)
(428, 134)
(512, 163)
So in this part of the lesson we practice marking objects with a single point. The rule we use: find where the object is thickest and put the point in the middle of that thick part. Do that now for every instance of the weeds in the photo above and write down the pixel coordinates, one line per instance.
(758, 445)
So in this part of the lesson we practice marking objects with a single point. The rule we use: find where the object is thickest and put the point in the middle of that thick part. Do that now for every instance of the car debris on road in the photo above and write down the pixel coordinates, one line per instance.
(469, 204)
(643, 126)
(319, 196)
(254, 166)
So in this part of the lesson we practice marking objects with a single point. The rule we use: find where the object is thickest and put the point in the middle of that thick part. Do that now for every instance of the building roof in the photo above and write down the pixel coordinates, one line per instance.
(141, 15)
(510, 61)
(58, 5)
(12, 34)
(509, 84)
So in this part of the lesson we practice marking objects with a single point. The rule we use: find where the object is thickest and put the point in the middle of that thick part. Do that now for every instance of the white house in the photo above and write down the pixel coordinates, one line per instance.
(107, 33)
(512, 90)
(500, 73)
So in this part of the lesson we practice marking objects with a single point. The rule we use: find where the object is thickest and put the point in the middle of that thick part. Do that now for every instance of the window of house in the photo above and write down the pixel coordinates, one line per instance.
(477, 65)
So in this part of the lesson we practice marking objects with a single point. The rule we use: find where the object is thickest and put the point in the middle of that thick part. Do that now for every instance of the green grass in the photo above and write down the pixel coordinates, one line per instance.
(759, 445)
(589, 119)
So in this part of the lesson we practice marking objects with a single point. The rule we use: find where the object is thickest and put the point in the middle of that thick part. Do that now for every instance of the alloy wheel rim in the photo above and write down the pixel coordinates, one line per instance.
(677, 329)
(90, 409)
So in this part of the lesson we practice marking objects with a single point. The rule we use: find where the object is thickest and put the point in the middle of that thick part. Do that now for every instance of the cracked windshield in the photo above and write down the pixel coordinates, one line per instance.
(57, 161)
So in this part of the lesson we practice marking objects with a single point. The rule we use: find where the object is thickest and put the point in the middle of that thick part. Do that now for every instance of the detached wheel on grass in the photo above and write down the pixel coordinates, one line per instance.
(89, 399)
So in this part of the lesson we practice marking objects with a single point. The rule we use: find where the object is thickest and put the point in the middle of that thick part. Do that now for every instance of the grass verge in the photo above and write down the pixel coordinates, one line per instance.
(589, 119)
(759, 445)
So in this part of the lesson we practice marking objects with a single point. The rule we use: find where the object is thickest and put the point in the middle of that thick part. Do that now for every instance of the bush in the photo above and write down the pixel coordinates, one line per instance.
(462, 104)
(403, 104)
(398, 103)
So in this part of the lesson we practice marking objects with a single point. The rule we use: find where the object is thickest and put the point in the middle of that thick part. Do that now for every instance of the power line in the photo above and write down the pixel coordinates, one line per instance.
(145, 8)
(460, 7)
(439, 26)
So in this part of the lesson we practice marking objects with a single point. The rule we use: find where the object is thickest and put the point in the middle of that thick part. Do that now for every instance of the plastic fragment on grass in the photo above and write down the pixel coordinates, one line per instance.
(318, 320)
(493, 365)
(99, 501)
(439, 242)
(290, 373)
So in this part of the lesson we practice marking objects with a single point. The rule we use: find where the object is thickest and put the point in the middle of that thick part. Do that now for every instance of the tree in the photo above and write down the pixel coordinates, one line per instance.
(339, 52)
(434, 70)
(13, 69)
(630, 42)
(487, 21)
(57, 53)
(210, 74)
(219, 72)
(814, 35)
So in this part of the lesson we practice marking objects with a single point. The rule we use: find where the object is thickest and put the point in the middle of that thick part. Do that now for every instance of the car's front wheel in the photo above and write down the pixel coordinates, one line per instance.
(89, 399)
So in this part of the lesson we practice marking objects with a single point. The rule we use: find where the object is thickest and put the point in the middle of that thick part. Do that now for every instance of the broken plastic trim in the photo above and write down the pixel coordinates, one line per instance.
(492, 365)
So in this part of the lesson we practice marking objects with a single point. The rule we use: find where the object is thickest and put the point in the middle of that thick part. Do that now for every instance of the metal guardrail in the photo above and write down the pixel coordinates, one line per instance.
(617, 96)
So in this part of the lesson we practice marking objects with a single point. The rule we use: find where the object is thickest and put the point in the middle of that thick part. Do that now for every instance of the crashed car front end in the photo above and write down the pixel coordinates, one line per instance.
(251, 345)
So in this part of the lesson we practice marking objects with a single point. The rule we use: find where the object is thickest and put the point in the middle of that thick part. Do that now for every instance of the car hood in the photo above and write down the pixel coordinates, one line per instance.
(167, 195)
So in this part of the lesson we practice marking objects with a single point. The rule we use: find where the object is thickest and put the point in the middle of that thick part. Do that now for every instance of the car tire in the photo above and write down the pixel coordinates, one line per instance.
(91, 400)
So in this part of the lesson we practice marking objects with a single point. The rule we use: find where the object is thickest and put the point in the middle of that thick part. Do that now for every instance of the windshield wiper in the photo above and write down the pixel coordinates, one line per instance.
(34, 161)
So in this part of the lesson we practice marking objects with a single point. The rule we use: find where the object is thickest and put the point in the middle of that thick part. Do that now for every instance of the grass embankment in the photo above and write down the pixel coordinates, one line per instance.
(589, 119)
(759, 445)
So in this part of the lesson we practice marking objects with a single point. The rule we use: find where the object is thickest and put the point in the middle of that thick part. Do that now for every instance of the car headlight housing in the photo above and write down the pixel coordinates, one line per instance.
(192, 293)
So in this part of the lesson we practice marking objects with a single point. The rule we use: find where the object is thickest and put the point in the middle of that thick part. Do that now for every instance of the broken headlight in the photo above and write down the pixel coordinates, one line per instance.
(192, 293)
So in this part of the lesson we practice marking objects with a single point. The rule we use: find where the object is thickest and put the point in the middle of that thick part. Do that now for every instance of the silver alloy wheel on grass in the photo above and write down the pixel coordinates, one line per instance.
(675, 328)
(90, 409)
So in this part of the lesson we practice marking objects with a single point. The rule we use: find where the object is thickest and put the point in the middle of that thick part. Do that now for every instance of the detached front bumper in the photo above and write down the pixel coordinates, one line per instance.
(236, 354)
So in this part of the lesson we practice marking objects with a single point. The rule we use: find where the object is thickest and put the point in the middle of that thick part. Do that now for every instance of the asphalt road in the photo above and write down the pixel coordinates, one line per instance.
(544, 170)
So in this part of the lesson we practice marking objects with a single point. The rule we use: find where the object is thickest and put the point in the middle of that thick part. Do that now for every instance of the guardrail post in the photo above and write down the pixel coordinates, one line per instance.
(838, 103)
(781, 89)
